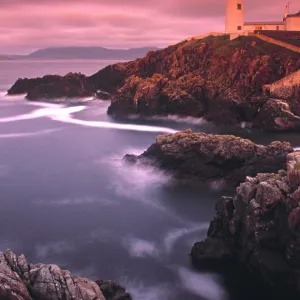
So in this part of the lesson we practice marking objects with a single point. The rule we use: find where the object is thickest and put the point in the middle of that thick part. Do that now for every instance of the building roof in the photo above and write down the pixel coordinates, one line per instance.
(265, 23)
(294, 15)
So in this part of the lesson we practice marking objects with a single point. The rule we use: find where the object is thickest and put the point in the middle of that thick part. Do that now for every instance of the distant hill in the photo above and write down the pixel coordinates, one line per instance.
(87, 53)
(5, 57)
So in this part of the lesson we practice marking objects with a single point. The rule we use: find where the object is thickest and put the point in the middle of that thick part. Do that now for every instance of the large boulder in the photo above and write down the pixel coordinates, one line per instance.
(209, 157)
(260, 228)
(20, 280)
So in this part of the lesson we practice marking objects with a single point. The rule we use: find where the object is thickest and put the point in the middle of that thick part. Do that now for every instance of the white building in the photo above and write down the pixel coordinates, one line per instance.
(235, 20)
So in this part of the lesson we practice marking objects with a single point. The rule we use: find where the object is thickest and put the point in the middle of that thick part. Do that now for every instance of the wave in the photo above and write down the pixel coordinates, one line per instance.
(140, 248)
(100, 124)
(173, 236)
(175, 118)
(140, 291)
(217, 185)
(61, 113)
(28, 134)
(12, 97)
(297, 148)
(206, 286)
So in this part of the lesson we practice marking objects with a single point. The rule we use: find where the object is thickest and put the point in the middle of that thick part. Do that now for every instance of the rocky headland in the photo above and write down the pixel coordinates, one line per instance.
(200, 156)
(215, 78)
(259, 228)
(256, 233)
(20, 280)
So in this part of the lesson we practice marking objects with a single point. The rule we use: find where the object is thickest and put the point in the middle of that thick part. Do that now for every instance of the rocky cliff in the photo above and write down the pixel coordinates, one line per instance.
(214, 77)
(210, 157)
(20, 280)
(259, 228)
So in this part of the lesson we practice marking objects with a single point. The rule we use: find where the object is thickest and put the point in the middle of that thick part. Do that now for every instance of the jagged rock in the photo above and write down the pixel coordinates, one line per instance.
(276, 115)
(205, 156)
(156, 96)
(112, 290)
(53, 86)
(260, 227)
(225, 78)
(103, 95)
(288, 89)
(20, 280)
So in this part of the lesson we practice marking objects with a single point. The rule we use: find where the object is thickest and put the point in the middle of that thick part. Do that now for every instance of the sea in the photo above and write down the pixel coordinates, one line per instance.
(67, 198)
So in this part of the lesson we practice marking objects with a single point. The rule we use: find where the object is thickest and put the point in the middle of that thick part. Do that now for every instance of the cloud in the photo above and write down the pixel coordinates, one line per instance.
(28, 25)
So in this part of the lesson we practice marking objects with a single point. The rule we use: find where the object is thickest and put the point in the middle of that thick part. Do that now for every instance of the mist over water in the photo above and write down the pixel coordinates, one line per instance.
(67, 197)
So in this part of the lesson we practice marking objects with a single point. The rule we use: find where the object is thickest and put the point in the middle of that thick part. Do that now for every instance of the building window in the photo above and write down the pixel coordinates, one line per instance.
(239, 6)
(239, 28)
(277, 27)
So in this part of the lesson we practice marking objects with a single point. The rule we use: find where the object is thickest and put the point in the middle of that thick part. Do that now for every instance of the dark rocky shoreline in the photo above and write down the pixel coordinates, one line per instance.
(199, 156)
(256, 233)
(259, 228)
(227, 82)
(20, 280)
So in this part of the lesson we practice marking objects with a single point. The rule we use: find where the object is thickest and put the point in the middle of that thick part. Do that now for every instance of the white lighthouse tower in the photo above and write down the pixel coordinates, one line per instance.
(235, 16)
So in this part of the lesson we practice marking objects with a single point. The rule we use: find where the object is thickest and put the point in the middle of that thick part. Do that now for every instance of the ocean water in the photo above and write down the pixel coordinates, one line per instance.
(67, 198)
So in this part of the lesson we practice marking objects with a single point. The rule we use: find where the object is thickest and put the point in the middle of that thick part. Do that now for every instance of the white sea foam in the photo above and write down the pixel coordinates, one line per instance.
(64, 114)
(297, 149)
(12, 97)
(99, 124)
(140, 248)
(217, 185)
(175, 118)
(140, 181)
(206, 286)
(28, 134)
(140, 291)
(173, 236)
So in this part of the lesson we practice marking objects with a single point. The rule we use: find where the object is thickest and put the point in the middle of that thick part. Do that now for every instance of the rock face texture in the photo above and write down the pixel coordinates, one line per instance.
(210, 157)
(20, 280)
(214, 77)
(259, 227)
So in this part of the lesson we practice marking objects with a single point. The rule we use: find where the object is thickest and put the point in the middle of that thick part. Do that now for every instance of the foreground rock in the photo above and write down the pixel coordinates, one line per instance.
(260, 227)
(20, 280)
(210, 157)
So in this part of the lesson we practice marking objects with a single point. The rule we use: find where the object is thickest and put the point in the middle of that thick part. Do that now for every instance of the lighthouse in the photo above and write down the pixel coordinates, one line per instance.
(235, 16)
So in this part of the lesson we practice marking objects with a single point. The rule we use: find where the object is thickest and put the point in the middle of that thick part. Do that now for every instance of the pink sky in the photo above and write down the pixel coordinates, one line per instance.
(26, 25)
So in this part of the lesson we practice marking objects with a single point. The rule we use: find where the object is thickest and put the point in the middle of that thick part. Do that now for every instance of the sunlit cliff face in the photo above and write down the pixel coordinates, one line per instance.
(26, 25)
